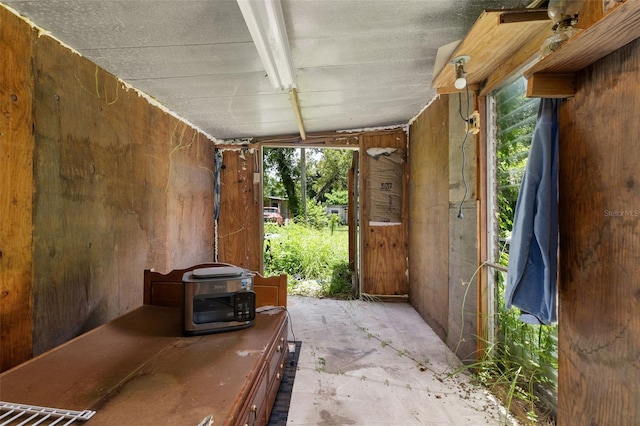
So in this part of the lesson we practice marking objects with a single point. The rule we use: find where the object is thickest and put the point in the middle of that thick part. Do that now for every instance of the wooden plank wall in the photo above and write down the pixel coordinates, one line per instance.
(429, 215)
(240, 225)
(384, 266)
(16, 166)
(599, 293)
(119, 186)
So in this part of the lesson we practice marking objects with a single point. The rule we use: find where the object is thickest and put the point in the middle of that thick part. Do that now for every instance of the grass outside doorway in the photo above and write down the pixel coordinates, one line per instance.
(316, 260)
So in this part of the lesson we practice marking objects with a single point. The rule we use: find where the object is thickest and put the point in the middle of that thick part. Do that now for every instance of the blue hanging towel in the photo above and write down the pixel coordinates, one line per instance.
(533, 252)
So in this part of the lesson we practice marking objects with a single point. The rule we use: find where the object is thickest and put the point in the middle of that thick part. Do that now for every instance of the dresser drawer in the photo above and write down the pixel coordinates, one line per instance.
(254, 412)
(276, 360)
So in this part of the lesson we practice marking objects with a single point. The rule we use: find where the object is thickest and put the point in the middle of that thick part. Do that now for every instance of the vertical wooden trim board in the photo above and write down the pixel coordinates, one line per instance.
(482, 225)
(352, 221)
(240, 223)
(16, 178)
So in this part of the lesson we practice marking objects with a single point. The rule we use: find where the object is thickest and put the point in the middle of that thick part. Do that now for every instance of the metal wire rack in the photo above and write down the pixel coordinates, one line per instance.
(32, 415)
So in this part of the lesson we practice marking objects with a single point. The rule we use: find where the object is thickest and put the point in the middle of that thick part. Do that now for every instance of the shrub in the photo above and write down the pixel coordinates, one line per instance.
(308, 254)
(340, 283)
(316, 216)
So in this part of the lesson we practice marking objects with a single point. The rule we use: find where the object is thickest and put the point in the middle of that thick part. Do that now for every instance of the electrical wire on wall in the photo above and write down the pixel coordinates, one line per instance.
(464, 155)
(216, 201)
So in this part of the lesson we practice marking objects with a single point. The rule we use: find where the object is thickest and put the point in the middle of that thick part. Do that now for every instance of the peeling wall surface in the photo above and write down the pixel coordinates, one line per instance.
(119, 186)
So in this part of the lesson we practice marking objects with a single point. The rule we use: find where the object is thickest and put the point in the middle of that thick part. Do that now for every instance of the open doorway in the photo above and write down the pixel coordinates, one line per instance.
(310, 219)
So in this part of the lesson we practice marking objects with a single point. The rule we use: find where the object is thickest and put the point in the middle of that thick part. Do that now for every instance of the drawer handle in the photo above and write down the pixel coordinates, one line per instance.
(278, 376)
(282, 340)
(281, 366)
(279, 348)
(254, 408)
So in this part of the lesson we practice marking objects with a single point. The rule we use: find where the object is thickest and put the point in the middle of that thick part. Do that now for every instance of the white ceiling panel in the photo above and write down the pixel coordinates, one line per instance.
(358, 63)
(148, 63)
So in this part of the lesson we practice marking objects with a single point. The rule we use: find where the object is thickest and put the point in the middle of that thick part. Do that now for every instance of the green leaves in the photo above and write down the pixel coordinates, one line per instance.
(306, 253)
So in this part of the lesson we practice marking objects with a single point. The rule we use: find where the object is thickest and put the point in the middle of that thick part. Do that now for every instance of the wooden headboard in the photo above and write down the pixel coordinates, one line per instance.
(166, 289)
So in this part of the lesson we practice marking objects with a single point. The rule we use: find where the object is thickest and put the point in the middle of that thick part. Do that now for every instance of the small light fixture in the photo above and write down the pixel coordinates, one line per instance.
(461, 73)
(564, 15)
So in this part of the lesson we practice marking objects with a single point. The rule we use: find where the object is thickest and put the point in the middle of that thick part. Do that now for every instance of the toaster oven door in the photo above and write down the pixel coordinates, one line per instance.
(211, 308)
(216, 312)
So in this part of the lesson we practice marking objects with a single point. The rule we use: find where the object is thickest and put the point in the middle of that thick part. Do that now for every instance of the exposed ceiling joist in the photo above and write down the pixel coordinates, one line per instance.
(493, 41)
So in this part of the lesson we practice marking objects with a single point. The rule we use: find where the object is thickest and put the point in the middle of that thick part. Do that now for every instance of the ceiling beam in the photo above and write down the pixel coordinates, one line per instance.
(293, 97)
(561, 85)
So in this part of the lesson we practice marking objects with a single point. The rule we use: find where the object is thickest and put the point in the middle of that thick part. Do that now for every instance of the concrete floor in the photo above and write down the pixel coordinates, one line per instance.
(360, 364)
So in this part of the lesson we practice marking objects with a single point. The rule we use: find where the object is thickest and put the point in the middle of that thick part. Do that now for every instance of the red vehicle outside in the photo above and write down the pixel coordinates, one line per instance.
(272, 214)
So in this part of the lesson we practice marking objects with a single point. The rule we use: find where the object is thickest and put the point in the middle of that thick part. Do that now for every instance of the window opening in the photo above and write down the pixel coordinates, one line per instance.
(526, 353)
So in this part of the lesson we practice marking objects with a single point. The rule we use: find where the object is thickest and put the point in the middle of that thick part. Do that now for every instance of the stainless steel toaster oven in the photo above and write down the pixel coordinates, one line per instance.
(218, 299)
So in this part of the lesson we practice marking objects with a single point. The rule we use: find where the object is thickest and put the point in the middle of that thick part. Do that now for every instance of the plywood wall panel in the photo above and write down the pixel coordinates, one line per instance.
(463, 262)
(85, 215)
(107, 185)
(240, 225)
(463, 231)
(599, 292)
(16, 168)
(444, 247)
(384, 268)
(429, 215)
(190, 198)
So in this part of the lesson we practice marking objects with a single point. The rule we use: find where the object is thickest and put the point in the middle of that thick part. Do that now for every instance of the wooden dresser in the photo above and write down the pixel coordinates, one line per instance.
(140, 370)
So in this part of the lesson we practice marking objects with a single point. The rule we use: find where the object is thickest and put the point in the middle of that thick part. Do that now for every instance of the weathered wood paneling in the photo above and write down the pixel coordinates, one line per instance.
(384, 248)
(121, 186)
(599, 293)
(429, 215)
(463, 232)
(240, 223)
(16, 180)
(463, 262)
(443, 247)
(190, 198)
(118, 186)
